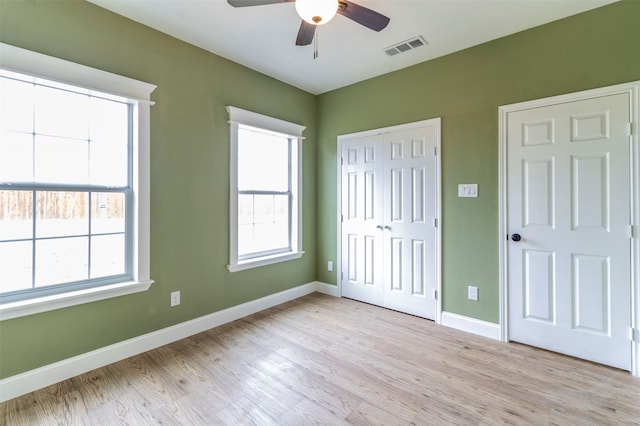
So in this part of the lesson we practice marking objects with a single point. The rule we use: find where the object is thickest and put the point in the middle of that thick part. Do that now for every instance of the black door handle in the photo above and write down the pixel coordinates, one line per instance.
(516, 237)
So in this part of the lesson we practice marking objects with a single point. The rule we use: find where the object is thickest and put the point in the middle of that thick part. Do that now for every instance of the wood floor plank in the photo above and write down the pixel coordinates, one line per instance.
(324, 360)
(307, 412)
(445, 411)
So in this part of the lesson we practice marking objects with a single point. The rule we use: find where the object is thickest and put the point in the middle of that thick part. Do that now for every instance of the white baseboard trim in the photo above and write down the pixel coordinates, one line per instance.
(324, 288)
(471, 325)
(29, 381)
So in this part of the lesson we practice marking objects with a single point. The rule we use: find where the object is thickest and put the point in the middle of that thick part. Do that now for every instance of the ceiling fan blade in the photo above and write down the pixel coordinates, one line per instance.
(245, 3)
(362, 15)
(305, 34)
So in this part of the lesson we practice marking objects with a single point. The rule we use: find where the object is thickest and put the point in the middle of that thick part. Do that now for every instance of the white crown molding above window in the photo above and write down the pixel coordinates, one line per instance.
(16, 59)
(249, 118)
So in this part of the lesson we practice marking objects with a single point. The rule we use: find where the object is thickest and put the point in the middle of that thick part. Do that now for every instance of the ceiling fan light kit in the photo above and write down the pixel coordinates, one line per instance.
(317, 12)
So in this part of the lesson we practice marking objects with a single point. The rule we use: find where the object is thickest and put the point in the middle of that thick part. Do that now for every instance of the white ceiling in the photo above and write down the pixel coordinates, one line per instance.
(263, 37)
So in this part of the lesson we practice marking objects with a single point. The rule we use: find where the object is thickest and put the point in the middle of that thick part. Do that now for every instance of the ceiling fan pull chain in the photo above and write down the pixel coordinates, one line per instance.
(315, 43)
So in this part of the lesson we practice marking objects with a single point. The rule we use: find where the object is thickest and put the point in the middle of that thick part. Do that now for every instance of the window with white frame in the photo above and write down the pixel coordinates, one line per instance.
(265, 208)
(73, 183)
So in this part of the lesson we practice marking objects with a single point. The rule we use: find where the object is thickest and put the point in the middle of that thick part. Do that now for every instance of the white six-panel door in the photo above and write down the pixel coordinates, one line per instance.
(569, 217)
(389, 206)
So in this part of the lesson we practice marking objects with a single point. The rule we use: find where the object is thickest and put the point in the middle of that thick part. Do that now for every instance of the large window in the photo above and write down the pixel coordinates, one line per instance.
(265, 182)
(72, 192)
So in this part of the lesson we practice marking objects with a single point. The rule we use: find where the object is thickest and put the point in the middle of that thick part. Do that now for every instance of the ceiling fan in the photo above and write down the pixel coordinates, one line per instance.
(319, 12)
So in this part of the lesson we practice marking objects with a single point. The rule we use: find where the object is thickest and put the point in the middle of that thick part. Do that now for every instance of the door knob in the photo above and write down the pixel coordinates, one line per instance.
(379, 227)
(516, 237)
(387, 227)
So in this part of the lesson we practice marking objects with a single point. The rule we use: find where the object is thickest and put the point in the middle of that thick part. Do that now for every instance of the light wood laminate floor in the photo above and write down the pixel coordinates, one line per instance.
(324, 360)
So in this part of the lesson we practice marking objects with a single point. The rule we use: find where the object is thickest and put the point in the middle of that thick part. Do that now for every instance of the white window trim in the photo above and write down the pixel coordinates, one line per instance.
(139, 93)
(239, 116)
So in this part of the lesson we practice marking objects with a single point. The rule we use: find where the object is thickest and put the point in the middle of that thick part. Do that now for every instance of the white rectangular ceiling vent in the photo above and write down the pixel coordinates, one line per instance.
(405, 46)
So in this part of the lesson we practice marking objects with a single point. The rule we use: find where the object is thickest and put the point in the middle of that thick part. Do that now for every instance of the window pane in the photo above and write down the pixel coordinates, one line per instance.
(61, 213)
(16, 105)
(107, 212)
(61, 260)
(107, 255)
(61, 113)
(16, 157)
(16, 215)
(15, 264)
(60, 160)
(109, 143)
(269, 227)
(245, 209)
(263, 161)
(108, 163)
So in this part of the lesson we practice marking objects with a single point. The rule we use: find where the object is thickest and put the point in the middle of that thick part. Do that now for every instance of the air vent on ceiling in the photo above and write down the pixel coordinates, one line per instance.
(405, 46)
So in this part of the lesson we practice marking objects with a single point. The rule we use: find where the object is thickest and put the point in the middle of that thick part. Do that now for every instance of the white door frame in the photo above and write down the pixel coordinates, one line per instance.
(438, 201)
(633, 89)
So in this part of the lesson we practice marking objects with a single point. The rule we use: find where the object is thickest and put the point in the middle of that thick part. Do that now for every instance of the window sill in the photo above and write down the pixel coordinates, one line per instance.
(263, 261)
(64, 300)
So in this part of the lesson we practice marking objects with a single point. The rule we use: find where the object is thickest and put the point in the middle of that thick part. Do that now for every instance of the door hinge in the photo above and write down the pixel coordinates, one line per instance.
(341, 218)
(435, 151)
(435, 222)
(630, 129)
(342, 161)
(629, 231)
(341, 276)
(435, 294)
(634, 334)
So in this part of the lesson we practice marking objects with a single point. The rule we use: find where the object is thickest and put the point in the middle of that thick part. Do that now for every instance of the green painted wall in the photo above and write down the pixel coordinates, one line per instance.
(189, 178)
(189, 156)
(593, 49)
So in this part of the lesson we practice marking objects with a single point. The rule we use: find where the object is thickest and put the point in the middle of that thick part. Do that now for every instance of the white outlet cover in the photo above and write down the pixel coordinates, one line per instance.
(175, 298)
(472, 292)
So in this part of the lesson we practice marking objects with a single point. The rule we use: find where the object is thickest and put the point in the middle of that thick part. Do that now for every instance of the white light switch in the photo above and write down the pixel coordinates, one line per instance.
(467, 190)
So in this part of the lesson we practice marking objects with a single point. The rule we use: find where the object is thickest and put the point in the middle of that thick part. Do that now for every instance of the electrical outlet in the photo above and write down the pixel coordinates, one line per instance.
(330, 265)
(175, 298)
(472, 293)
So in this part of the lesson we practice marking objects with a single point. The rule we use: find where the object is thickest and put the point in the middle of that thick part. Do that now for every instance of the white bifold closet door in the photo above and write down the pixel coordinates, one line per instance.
(388, 222)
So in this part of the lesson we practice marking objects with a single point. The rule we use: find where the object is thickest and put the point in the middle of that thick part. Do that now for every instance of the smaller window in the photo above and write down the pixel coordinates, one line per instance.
(265, 198)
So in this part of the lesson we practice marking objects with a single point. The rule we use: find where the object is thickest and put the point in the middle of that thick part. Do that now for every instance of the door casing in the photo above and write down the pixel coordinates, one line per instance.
(438, 200)
(633, 89)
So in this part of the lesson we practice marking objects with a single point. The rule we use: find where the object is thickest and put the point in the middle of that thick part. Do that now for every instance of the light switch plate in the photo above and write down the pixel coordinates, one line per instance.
(467, 190)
